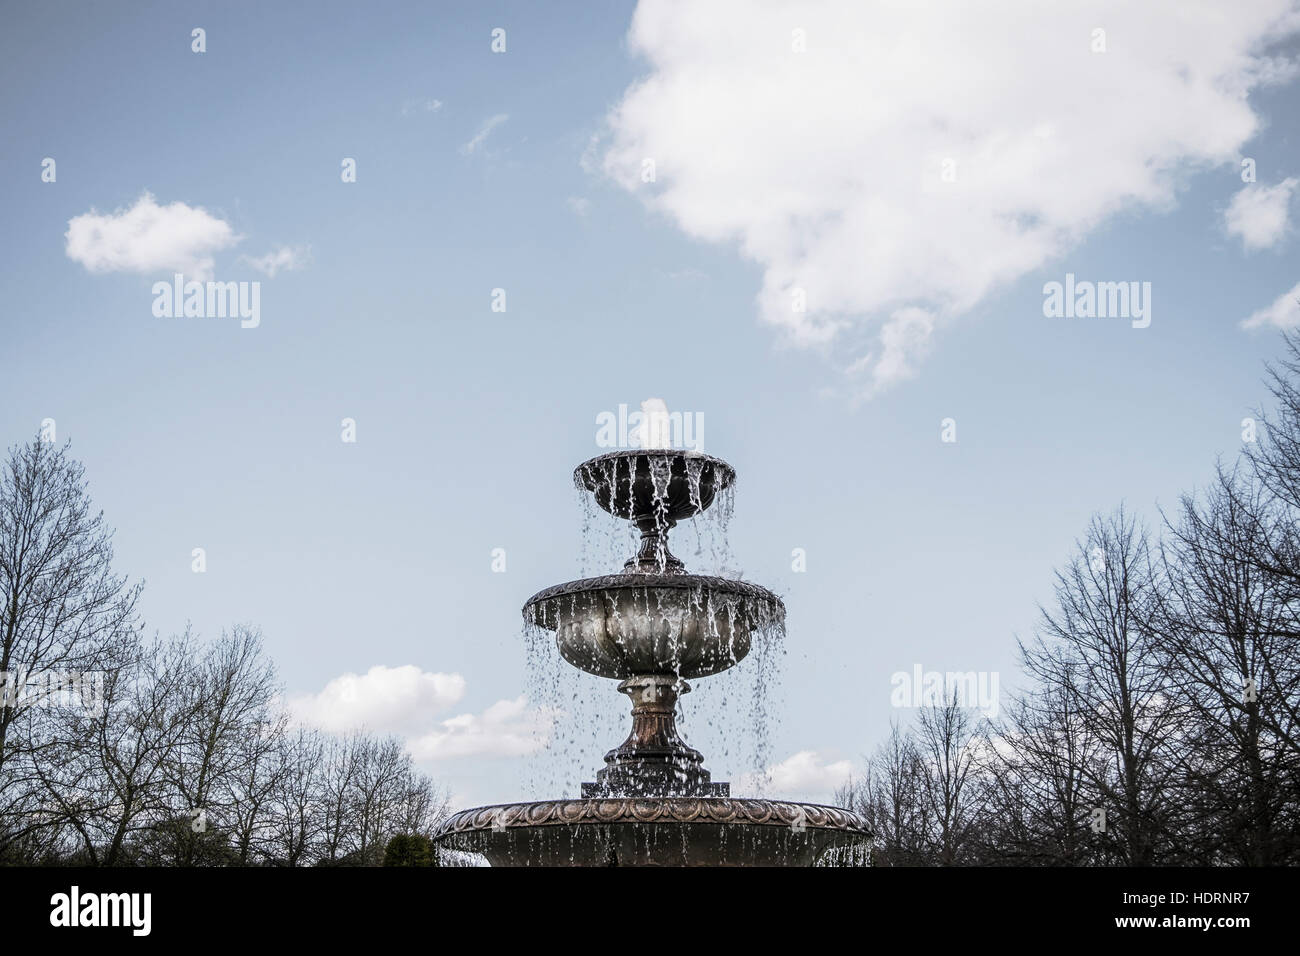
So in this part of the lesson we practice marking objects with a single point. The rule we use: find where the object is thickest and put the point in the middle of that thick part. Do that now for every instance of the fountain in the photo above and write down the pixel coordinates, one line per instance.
(652, 627)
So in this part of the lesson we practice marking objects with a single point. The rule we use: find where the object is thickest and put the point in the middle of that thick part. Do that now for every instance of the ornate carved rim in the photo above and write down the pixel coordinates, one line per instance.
(726, 473)
(670, 810)
(612, 582)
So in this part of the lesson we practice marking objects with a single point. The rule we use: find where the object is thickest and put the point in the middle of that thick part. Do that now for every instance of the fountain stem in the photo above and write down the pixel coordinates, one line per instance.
(653, 556)
(654, 760)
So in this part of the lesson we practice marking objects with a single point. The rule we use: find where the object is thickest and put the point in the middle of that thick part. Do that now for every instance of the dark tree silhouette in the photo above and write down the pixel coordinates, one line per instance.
(66, 621)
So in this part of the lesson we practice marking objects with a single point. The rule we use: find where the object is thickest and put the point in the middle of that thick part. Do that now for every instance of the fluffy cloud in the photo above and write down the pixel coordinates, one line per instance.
(904, 338)
(509, 728)
(479, 138)
(149, 238)
(804, 775)
(285, 258)
(1283, 313)
(916, 157)
(384, 699)
(1260, 215)
(404, 701)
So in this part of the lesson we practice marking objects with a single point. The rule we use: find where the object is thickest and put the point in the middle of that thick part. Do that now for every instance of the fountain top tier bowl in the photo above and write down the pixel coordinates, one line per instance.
(654, 489)
(670, 485)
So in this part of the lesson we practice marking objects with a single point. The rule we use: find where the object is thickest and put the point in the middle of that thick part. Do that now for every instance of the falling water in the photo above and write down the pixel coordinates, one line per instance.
(585, 719)
(728, 716)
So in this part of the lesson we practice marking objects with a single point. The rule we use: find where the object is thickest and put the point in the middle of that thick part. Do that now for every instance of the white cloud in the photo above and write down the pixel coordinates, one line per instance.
(1260, 215)
(828, 167)
(421, 106)
(509, 728)
(406, 700)
(579, 205)
(384, 700)
(904, 338)
(481, 136)
(1283, 313)
(149, 238)
(806, 775)
(285, 258)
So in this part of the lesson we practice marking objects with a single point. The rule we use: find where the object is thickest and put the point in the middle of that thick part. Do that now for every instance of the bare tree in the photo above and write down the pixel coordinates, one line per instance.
(1227, 644)
(122, 756)
(63, 612)
(947, 742)
(889, 797)
(1275, 462)
(297, 813)
(1275, 457)
(339, 767)
(230, 689)
(1100, 633)
(369, 792)
(254, 790)
(379, 786)
(1038, 807)
(181, 757)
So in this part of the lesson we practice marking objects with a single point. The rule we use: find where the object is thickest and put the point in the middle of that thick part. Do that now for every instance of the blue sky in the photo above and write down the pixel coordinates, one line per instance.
(773, 173)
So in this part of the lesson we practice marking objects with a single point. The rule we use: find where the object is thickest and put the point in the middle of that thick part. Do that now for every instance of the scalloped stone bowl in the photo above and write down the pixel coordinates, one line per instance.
(622, 625)
(653, 832)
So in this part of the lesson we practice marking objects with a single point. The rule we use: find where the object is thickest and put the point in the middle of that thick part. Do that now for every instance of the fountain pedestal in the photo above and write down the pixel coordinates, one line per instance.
(653, 556)
(654, 760)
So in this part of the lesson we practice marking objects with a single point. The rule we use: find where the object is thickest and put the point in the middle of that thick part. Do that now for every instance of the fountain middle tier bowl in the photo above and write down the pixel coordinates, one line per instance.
(688, 625)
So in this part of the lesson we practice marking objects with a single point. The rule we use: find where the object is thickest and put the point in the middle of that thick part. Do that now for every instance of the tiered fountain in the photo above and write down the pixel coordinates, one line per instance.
(652, 627)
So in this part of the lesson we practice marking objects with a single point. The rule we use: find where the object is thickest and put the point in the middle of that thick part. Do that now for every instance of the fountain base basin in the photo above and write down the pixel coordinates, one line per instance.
(665, 831)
